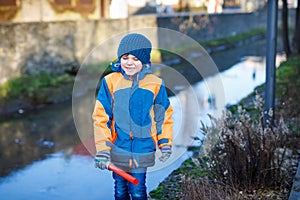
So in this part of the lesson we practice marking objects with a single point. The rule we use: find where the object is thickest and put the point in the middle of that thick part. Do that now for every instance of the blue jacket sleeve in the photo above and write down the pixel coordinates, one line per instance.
(163, 116)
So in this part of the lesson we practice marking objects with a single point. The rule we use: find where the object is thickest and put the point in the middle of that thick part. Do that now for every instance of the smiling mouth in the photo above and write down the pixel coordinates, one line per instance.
(129, 68)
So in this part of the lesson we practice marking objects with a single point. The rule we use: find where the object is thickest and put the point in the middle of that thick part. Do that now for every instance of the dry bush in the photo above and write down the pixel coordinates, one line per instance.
(243, 155)
(203, 188)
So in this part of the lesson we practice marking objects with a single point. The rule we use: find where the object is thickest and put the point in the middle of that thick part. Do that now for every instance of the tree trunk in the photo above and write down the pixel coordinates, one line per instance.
(297, 30)
(285, 29)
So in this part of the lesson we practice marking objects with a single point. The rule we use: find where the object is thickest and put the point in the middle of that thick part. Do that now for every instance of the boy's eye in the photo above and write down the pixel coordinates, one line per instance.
(125, 57)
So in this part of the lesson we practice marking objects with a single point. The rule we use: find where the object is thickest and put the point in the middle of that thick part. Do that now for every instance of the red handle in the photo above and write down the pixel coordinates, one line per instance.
(123, 174)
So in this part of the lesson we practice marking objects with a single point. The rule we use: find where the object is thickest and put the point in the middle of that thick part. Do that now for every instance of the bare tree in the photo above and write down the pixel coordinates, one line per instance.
(285, 29)
(297, 30)
(285, 32)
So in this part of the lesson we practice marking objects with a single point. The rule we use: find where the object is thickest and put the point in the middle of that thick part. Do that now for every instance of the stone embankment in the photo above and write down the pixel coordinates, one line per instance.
(56, 47)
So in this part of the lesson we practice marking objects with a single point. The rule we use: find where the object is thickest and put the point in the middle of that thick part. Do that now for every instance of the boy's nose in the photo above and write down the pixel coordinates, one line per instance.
(129, 61)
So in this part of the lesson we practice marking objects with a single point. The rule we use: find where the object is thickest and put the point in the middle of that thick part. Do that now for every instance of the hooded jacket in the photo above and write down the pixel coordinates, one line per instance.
(132, 117)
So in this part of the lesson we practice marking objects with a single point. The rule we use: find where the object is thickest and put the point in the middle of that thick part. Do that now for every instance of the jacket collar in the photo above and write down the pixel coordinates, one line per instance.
(116, 67)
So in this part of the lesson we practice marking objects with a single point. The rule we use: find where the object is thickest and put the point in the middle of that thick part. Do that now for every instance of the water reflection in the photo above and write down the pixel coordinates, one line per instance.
(238, 82)
(34, 136)
(43, 158)
(60, 176)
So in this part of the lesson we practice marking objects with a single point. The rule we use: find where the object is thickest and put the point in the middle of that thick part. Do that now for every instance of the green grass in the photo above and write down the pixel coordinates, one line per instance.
(234, 39)
(287, 76)
(157, 193)
(187, 169)
(28, 85)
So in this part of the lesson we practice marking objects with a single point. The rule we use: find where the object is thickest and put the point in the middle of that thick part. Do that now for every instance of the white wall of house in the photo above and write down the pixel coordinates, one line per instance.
(119, 9)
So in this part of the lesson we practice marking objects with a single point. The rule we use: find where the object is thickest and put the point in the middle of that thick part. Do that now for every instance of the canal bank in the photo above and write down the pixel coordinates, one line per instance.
(193, 179)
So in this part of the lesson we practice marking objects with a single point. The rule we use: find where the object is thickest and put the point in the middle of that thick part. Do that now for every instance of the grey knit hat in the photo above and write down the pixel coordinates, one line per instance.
(137, 45)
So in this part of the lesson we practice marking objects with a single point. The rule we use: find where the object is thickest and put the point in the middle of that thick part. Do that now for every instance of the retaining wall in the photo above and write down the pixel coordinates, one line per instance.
(55, 47)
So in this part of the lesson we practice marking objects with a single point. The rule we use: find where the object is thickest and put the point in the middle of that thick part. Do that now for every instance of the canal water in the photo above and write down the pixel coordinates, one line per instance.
(42, 157)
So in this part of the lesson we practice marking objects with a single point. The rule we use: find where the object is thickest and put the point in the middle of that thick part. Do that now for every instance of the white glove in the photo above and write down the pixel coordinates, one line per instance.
(166, 153)
(102, 159)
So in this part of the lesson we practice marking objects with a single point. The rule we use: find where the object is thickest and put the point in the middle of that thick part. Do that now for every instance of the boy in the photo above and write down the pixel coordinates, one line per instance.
(132, 116)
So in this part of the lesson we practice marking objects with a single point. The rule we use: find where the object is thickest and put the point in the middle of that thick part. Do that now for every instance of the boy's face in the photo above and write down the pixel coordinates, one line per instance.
(131, 64)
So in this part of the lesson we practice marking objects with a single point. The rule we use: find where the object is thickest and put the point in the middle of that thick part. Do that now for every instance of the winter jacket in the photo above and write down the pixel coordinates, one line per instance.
(132, 116)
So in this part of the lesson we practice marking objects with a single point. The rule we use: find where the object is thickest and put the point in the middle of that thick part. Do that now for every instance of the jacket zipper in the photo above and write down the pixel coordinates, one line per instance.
(132, 161)
(130, 125)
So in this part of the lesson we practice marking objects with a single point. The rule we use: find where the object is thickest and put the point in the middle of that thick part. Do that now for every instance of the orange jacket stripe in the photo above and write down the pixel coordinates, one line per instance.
(102, 133)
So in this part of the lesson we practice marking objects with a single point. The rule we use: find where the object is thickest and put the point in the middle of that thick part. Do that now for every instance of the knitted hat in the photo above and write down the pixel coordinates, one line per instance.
(137, 45)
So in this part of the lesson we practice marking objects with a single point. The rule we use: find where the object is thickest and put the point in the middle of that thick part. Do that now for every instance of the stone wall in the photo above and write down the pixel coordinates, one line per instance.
(207, 27)
(58, 46)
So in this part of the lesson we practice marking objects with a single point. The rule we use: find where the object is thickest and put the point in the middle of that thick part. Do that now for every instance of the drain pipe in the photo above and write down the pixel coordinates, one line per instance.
(270, 62)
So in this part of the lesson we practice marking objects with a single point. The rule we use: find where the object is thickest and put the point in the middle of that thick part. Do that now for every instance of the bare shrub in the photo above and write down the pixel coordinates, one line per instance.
(243, 155)
(203, 188)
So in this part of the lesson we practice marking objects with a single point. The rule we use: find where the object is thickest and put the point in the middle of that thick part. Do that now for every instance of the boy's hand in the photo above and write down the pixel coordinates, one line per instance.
(102, 159)
(166, 153)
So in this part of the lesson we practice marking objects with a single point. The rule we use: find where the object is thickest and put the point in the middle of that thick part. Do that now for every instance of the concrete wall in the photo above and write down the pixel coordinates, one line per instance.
(58, 46)
(207, 27)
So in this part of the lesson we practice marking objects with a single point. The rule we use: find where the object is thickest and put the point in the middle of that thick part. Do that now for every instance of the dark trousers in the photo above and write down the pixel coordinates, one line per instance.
(124, 189)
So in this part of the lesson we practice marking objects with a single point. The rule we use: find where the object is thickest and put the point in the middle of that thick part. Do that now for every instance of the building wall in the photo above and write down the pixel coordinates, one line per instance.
(53, 10)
